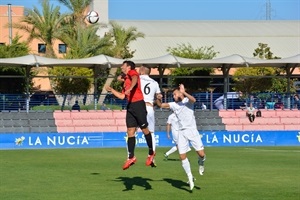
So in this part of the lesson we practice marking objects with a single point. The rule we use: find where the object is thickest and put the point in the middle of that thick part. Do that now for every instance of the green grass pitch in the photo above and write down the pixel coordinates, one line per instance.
(233, 173)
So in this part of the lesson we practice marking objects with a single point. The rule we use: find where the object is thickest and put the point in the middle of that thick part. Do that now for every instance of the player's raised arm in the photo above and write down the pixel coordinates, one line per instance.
(121, 77)
(117, 94)
(159, 103)
(190, 97)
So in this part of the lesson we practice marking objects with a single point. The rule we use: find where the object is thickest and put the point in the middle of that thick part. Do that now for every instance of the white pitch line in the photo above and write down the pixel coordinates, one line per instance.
(277, 150)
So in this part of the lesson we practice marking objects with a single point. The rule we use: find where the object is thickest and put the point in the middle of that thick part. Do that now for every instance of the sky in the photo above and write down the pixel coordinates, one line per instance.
(192, 9)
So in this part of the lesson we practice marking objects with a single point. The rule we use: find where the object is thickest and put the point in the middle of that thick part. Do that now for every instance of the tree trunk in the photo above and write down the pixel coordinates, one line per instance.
(112, 74)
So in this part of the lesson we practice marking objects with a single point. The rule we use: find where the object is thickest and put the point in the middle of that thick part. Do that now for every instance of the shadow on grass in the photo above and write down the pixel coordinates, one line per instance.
(135, 181)
(171, 159)
(95, 173)
(179, 184)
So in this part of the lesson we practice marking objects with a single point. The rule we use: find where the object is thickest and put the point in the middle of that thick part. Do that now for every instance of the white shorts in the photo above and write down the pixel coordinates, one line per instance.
(175, 139)
(150, 118)
(175, 136)
(187, 137)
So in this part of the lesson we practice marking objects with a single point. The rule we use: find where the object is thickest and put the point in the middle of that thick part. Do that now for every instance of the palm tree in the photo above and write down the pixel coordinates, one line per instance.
(78, 9)
(84, 42)
(16, 85)
(44, 26)
(122, 38)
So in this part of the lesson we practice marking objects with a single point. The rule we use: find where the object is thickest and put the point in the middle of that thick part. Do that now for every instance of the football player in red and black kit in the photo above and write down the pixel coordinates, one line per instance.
(136, 115)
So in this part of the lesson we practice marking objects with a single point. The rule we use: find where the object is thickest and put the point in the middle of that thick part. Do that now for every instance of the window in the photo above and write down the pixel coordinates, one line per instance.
(62, 48)
(41, 48)
(2, 43)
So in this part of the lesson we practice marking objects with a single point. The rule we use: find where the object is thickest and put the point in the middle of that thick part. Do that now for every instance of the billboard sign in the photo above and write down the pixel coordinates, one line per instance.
(114, 139)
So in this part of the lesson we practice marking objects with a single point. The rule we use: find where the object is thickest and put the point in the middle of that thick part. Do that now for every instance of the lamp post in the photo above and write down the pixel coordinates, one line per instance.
(9, 23)
(211, 90)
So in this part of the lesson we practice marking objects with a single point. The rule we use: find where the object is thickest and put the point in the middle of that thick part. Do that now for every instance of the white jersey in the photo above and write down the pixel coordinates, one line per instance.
(172, 119)
(149, 88)
(185, 113)
(188, 133)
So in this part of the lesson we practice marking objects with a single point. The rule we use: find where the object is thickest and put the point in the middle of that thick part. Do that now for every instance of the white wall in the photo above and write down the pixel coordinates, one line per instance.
(101, 6)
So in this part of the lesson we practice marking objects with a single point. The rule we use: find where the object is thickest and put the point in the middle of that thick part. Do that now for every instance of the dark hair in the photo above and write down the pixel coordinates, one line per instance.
(130, 63)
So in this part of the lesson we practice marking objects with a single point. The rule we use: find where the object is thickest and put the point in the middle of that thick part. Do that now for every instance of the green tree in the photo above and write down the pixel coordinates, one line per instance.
(187, 51)
(74, 21)
(77, 8)
(264, 52)
(71, 81)
(16, 85)
(255, 81)
(121, 38)
(65, 83)
(44, 26)
(277, 84)
(84, 43)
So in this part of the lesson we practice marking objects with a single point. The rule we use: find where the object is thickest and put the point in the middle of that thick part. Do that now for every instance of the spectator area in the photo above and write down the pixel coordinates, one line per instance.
(114, 121)
(31, 122)
(90, 121)
(206, 120)
(236, 120)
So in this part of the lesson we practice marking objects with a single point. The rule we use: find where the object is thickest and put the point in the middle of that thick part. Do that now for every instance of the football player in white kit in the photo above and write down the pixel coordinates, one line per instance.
(188, 133)
(173, 127)
(150, 89)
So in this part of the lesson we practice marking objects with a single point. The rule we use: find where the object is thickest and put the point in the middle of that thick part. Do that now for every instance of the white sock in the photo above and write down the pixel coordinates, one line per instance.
(187, 167)
(153, 141)
(172, 150)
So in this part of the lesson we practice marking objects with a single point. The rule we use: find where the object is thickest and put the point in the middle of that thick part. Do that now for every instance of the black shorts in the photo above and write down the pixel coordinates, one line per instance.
(136, 115)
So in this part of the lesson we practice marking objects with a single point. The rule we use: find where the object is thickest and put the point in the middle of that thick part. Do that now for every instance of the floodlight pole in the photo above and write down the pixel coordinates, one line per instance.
(9, 23)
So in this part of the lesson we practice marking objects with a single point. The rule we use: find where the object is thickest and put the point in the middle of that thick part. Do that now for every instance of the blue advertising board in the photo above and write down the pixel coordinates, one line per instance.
(115, 139)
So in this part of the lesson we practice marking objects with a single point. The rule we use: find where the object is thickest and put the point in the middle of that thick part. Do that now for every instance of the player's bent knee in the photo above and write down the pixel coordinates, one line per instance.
(131, 132)
(143, 126)
(201, 153)
(182, 156)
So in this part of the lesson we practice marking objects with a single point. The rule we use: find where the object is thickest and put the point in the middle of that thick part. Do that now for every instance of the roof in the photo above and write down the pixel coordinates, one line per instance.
(167, 60)
(35, 60)
(227, 37)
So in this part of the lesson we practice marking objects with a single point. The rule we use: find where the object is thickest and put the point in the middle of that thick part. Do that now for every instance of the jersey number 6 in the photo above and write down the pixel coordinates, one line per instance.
(147, 88)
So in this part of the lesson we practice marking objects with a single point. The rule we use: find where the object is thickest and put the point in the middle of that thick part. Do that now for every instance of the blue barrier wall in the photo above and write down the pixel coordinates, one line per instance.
(105, 139)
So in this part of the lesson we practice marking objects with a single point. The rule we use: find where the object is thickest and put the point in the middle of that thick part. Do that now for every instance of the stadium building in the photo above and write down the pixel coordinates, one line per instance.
(275, 127)
(226, 37)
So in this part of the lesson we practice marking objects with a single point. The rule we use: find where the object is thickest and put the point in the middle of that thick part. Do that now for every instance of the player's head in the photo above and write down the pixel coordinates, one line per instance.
(177, 95)
(145, 69)
(127, 65)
